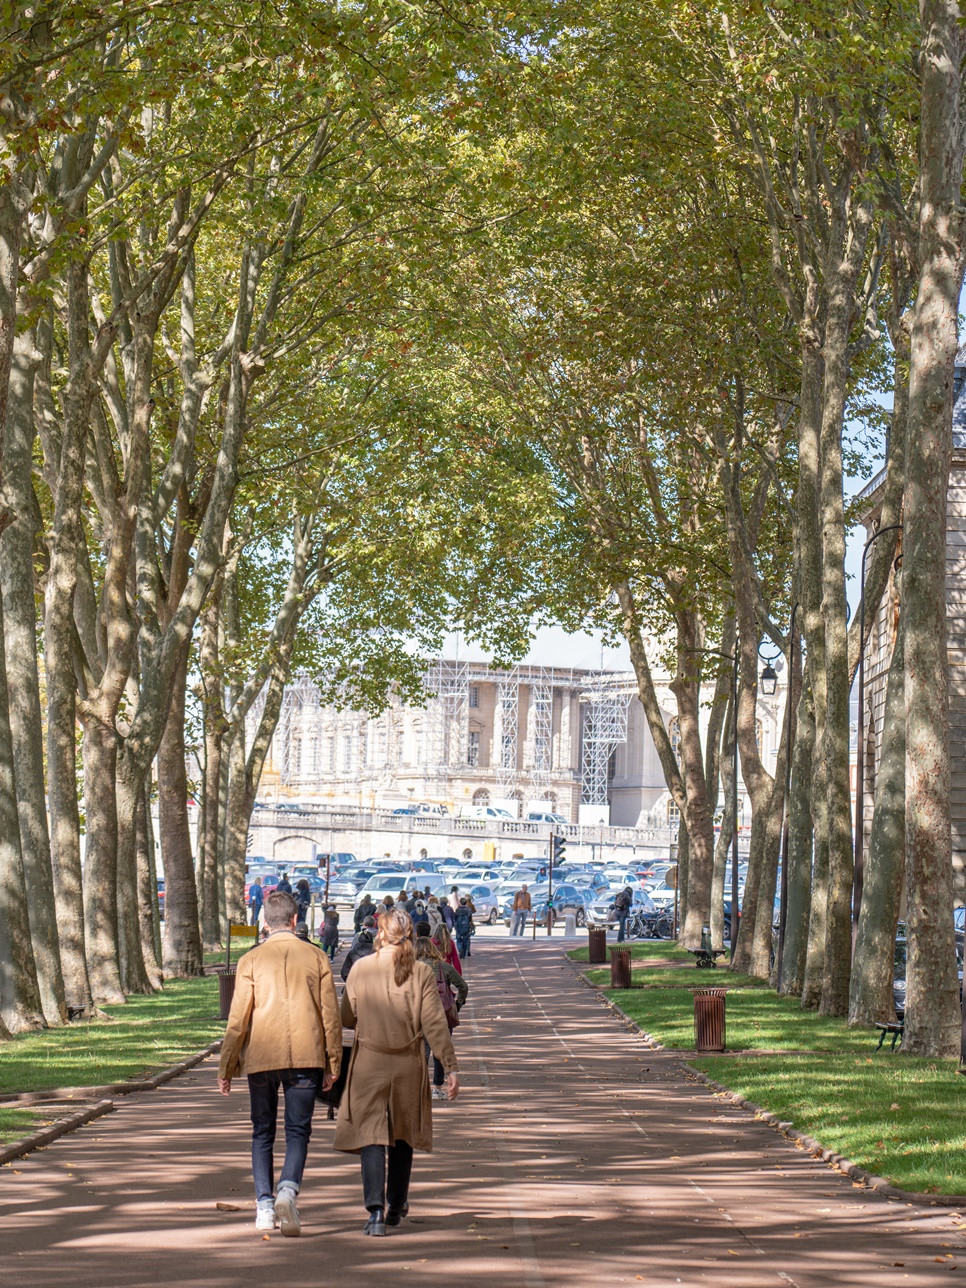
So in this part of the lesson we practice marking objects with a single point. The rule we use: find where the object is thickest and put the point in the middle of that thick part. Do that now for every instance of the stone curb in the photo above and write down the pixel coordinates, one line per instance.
(20, 1147)
(112, 1088)
(844, 1165)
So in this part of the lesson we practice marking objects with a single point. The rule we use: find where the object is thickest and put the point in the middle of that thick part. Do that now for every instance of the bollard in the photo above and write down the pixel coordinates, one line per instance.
(620, 968)
(596, 946)
(570, 926)
(709, 1019)
(226, 990)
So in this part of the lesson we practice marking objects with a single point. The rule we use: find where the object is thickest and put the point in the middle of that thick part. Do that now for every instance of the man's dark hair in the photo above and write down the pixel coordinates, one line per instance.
(280, 908)
(422, 928)
(369, 923)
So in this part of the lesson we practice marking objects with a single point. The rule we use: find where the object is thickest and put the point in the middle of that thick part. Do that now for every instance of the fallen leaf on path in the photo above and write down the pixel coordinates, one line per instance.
(227, 1207)
(732, 1253)
(266, 1237)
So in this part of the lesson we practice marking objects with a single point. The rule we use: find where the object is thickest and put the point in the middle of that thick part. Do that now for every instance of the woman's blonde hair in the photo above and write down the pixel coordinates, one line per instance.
(444, 940)
(426, 950)
(396, 931)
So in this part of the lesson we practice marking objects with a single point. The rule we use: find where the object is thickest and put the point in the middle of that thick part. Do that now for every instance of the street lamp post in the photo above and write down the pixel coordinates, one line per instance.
(858, 872)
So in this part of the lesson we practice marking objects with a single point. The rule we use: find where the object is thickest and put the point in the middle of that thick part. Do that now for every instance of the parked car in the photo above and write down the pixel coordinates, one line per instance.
(161, 897)
(539, 816)
(567, 899)
(464, 876)
(406, 809)
(350, 880)
(603, 913)
(595, 881)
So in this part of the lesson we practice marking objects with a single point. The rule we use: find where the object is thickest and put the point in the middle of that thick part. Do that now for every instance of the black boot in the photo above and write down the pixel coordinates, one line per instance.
(395, 1215)
(376, 1223)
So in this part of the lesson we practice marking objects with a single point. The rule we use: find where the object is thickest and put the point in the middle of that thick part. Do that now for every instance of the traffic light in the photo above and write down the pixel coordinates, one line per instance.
(558, 848)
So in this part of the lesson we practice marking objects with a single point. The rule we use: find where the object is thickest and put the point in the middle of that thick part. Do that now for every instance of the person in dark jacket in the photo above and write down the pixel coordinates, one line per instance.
(361, 946)
(623, 906)
(303, 897)
(284, 886)
(463, 926)
(365, 909)
(447, 911)
(330, 932)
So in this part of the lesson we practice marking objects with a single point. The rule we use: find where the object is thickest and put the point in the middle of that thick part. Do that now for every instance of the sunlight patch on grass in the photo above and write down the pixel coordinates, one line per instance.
(141, 1037)
(899, 1117)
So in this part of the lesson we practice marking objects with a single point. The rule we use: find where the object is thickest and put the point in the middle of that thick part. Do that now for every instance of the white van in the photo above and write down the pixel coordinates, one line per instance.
(484, 811)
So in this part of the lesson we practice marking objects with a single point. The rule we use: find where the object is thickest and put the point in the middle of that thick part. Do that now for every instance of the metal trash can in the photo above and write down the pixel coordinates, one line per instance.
(709, 1019)
(596, 946)
(620, 968)
(226, 990)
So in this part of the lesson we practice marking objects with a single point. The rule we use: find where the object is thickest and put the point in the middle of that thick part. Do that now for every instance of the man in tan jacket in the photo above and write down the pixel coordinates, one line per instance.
(283, 1030)
(521, 906)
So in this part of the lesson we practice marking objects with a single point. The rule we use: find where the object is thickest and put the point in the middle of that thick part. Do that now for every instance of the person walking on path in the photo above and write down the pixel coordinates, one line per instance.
(283, 1030)
(521, 906)
(330, 932)
(623, 903)
(392, 1002)
(452, 989)
(284, 886)
(365, 909)
(446, 911)
(303, 897)
(256, 897)
(447, 949)
(463, 927)
(361, 946)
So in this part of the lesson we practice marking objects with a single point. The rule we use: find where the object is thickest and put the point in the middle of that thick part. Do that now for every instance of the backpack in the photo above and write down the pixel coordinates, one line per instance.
(623, 901)
(447, 999)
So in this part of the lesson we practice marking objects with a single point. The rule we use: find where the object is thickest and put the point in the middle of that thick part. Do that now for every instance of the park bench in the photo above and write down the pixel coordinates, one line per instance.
(706, 958)
(885, 1029)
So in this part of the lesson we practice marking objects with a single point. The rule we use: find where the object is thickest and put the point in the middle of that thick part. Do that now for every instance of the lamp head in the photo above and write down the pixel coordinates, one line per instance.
(769, 680)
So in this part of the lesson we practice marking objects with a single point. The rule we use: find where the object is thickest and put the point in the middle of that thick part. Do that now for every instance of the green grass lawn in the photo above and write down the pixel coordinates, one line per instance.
(663, 949)
(145, 1035)
(900, 1117)
(757, 1018)
(17, 1123)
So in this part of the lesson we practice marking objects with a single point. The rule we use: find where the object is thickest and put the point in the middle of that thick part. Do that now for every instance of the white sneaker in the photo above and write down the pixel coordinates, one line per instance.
(265, 1216)
(288, 1213)
(439, 1093)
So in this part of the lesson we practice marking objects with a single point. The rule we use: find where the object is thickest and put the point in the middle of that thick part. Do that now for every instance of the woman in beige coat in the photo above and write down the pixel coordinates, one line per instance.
(392, 1002)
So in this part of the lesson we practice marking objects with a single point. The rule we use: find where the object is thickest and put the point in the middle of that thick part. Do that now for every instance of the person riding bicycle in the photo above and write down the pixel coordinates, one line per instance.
(622, 905)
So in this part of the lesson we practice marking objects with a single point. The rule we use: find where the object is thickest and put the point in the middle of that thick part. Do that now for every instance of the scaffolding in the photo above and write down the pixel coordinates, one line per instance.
(447, 717)
(540, 735)
(505, 733)
(605, 704)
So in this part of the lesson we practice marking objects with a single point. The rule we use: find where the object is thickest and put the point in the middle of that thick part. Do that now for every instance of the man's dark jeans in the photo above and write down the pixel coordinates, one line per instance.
(299, 1087)
(621, 923)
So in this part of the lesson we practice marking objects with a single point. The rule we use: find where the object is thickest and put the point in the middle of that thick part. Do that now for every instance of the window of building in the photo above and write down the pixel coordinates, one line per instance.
(348, 752)
(673, 813)
(481, 796)
(674, 734)
(474, 695)
(473, 748)
(330, 753)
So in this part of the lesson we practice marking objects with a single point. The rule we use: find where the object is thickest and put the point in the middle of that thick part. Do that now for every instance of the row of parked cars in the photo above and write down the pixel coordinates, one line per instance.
(585, 891)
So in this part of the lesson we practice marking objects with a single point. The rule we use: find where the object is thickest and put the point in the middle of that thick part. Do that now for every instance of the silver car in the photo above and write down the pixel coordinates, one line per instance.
(603, 913)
